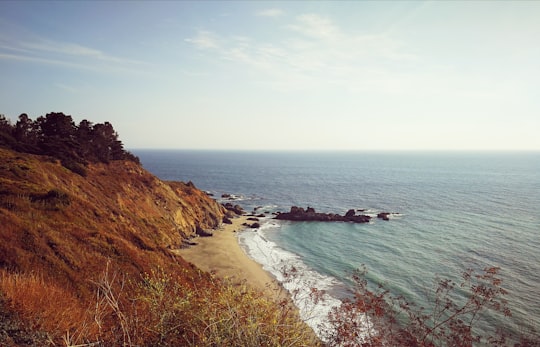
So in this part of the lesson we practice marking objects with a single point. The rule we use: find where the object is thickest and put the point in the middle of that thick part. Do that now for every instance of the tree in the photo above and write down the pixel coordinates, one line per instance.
(6, 132)
(57, 138)
(56, 135)
(106, 144)
(56, 126)
(26, 133)
(5, 124)
(84, 137)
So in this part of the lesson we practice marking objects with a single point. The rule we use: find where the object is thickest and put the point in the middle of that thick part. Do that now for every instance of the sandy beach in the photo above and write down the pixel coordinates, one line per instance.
(222, 255)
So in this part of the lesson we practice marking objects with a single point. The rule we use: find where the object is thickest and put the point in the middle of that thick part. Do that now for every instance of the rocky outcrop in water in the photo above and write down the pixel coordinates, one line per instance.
(309, 215)
(384, 216)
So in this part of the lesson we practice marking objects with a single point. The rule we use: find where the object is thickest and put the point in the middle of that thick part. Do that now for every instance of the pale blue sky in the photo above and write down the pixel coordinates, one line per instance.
(353, 75)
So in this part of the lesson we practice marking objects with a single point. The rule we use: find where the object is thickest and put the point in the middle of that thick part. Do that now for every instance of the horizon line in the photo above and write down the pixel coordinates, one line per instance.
(327, 150)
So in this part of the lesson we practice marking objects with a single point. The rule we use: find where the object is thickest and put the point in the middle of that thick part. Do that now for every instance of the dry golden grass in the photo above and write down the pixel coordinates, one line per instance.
(43, 306)
(155, 309)
(119, 212)
(186, 311)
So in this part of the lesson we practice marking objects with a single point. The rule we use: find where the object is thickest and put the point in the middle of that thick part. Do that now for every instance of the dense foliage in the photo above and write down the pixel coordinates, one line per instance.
(57, 135)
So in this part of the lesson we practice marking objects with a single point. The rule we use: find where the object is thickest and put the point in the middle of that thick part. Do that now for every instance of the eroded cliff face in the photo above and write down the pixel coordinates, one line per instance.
(69, 226)
(174, 208)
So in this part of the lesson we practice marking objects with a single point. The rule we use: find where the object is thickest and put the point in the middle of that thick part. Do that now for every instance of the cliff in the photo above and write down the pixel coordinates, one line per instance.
(67, 226)
(88, 250)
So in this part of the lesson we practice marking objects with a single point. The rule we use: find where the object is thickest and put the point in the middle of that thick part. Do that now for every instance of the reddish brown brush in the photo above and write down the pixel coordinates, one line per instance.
(393, 321)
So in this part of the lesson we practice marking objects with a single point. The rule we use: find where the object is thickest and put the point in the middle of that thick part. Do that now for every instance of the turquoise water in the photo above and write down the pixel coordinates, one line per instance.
(457, 210)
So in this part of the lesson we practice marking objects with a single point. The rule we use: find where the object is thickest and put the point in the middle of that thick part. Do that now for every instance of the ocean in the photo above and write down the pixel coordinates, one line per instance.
(455, 210)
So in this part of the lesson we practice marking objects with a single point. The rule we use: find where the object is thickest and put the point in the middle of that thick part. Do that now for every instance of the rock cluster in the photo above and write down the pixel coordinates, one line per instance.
(237, 209)
(309, 214)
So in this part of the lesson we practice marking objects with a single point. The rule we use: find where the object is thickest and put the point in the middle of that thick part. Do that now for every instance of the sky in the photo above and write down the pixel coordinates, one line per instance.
(255, 75)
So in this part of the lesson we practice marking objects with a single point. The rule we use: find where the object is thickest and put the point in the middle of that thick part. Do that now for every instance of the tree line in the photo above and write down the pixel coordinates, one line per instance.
(56, 135)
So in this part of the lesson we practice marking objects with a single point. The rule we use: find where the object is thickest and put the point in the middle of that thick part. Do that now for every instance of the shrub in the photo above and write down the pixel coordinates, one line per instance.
(164, 309)
(376, 318)
(75, 166)
(54, 199)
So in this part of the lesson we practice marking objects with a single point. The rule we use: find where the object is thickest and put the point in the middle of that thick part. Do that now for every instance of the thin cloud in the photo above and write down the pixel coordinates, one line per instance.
(204, 40)
(25, 58)
(70, 55)
(63, 48)
(6, 47)
(73, 49)
(316, 50)
(271, 12)
(316, 26)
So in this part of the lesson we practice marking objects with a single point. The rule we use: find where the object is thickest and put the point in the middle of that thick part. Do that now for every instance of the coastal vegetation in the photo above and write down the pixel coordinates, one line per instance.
(56, 135)
(88, 257)
(447, 321)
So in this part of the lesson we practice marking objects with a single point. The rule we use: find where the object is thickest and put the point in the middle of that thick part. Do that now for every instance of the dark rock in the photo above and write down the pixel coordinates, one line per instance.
(230, 197)
(255, 225)
(253, 219)
(187, 243)
(261, 215)
(299, 214)
(199, 231)
(359, 219)
(234, 208)
(227, 220)
(384, 215)
(295, 210)
(230, 214)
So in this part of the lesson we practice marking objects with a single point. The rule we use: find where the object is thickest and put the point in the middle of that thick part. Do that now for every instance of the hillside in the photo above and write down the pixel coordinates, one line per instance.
(88, 250)
(90, 259)
(71, 225)
(66, 227)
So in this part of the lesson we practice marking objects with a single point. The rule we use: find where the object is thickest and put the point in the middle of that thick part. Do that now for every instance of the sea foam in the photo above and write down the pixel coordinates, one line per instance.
(295, 276)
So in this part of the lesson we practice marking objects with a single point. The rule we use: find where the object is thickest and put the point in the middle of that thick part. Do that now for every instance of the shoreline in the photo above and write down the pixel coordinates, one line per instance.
(222, 255)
